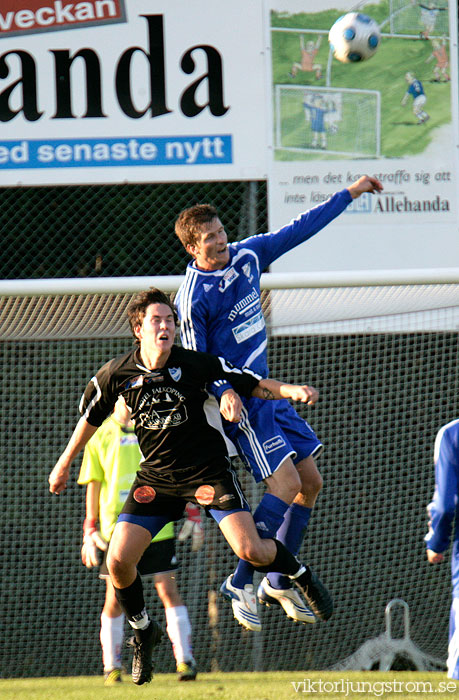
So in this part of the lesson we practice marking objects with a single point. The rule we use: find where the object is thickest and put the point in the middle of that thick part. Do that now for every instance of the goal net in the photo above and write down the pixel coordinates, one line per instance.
(418, 18)
(341, 121)
(384, 357)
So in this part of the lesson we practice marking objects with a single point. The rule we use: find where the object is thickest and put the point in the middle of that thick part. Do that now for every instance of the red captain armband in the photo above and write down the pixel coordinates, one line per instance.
(89, 526)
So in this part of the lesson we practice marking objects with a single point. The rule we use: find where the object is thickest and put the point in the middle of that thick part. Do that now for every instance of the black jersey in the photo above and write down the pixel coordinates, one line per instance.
(167, 405)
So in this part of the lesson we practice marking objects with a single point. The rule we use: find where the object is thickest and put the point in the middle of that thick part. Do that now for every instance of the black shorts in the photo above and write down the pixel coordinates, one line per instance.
(158, 558)
(214, 487)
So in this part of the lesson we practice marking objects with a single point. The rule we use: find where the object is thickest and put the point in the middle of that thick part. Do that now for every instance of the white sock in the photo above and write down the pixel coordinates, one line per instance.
(179, 631)
(111, 639)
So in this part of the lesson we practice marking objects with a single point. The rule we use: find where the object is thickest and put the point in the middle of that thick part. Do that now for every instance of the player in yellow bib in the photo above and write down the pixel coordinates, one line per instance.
(110, 461)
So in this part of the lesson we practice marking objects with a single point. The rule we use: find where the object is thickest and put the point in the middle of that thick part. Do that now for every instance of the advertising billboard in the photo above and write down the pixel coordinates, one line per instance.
(392, 115)
(108, 91)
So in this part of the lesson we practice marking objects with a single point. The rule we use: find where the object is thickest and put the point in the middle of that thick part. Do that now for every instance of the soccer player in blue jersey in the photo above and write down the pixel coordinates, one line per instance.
(220, 309)
(416, 91)
(442, 511)
(315, 109)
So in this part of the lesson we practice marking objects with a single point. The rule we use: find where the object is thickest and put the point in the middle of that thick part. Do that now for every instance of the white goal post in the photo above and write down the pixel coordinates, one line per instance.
(270, 280)
(296, 303)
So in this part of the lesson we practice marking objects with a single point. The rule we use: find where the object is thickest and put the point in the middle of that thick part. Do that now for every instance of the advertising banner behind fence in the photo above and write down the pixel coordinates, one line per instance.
(131, 91)
(114, 91)
(393, 116)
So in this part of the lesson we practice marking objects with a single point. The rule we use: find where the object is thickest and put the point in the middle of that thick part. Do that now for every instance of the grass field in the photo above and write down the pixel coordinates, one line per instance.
(241, 686)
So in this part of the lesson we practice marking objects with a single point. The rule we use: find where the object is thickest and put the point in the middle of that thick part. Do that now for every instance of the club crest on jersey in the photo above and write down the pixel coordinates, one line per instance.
(247, 270)
(228, 278)
(175, 373)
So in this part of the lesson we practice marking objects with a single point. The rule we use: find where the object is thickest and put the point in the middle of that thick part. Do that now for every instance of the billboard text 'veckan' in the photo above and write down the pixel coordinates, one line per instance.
(31, 16)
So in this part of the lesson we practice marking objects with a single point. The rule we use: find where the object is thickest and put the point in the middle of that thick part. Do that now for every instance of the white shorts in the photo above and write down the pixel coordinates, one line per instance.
(419, 103)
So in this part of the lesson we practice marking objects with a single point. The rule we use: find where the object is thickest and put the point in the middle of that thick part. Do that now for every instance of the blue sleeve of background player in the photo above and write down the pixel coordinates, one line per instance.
(270, 246)
(443, 507)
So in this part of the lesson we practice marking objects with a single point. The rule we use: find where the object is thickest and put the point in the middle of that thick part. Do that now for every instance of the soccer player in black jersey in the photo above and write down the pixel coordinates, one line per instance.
(185, 460)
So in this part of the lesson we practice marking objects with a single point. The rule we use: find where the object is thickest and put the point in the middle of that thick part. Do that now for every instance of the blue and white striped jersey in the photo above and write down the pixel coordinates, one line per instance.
(445, 507)
(220, 310)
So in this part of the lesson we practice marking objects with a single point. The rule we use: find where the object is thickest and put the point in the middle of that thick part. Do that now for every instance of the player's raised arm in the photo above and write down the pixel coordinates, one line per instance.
(60, 474)
(366, 183)
(270, 389)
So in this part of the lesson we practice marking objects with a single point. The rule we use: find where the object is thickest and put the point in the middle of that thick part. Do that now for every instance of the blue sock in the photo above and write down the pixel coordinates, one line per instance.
(268, 518)
(291, 534)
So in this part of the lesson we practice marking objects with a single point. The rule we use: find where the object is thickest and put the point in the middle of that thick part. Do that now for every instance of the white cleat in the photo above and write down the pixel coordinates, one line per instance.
(289, 599)
(244, 604)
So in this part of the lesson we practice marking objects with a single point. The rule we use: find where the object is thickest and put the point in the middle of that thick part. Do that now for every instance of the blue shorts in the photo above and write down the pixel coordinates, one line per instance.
(268, 433)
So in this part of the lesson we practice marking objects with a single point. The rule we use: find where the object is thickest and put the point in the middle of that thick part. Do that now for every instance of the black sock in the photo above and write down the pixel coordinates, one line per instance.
(132, 603)
(284, 562)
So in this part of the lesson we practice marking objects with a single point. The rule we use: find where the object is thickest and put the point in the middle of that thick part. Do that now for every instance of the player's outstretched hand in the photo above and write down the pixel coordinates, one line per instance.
(434, 557)
(58, 478)
(92, 541)
(366, 183)
(192, 527)
(305, 394)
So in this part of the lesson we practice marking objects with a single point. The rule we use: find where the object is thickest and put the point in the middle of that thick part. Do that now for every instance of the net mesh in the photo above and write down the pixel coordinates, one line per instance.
(413, 17)
(340, 121)
(383, 396)
(113, 230)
